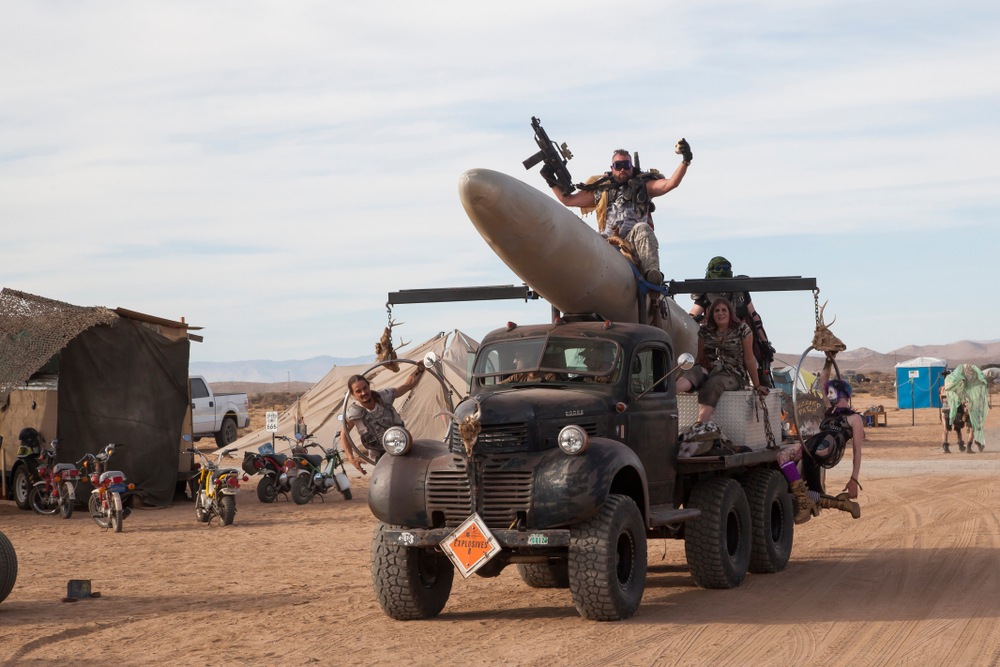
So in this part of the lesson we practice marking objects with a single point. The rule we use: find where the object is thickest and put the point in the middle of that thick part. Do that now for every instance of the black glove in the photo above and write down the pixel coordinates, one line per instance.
(549, 175)
(684, 150)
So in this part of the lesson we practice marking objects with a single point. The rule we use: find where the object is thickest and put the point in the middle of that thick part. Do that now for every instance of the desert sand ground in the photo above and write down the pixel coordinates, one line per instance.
(913, 582)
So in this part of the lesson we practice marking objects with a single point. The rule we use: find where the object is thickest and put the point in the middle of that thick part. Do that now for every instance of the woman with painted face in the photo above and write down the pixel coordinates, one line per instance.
(824, 450)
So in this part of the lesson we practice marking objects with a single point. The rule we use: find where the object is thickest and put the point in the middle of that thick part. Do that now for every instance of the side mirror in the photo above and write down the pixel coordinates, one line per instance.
(686, 360)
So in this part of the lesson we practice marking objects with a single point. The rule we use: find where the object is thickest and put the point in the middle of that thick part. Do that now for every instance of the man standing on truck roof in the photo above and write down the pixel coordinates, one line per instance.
(621, 198)
(373, 414)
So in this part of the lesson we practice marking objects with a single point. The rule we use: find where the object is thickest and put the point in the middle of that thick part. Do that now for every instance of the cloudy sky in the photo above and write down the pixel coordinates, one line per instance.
(271, 170)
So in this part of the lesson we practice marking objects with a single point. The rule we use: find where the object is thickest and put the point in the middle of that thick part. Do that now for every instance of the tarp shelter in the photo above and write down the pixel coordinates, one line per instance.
(918, 382)
(322, 405)
(786, 379)
(90, 376)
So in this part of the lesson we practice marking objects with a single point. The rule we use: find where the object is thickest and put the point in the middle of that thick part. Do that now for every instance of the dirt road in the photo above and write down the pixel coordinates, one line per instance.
(914, 581)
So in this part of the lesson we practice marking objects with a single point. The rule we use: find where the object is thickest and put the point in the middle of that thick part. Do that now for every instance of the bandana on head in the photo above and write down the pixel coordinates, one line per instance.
(719, 267)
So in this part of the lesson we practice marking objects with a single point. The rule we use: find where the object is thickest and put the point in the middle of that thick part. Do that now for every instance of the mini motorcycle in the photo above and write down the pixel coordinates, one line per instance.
(313, 475)
(105, 504)
(271, 466)
(56, 491)
(217, 486)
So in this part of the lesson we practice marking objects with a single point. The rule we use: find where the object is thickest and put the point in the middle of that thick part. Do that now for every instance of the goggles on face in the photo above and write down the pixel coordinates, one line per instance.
(621, 165)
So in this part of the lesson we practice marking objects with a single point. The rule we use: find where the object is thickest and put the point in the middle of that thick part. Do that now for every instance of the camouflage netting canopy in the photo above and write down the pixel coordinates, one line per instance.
(33, 329)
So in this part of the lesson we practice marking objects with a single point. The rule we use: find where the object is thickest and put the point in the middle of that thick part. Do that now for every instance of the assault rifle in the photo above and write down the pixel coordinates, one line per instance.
(555, 157)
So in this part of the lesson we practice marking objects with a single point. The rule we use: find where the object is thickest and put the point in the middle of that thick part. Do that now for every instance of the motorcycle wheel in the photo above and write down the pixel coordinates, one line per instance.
(267, 490)
(347, 494)
(302, 491)
(201, 512)
(66, 500)
(40, 500)
(117, 512)
(96, 511)
(227, 510)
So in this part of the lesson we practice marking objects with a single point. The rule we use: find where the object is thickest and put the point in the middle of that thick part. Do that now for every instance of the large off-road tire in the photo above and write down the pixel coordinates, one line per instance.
(545, 575)
(66, 500)
(607, 561)
(302, 491)
(267, 489)
(8, 567)
(227, 510)
(228, 432)
(409, 584)
(96, 512)
(40, 500)
(717, 544)
(20, 485)
(201, 512)
(771, 517)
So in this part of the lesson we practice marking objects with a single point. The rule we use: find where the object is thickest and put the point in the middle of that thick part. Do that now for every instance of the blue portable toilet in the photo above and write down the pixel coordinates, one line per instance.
(918, 382)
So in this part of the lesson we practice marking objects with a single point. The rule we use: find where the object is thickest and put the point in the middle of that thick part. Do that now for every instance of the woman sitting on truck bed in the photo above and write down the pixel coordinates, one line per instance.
(725, 359)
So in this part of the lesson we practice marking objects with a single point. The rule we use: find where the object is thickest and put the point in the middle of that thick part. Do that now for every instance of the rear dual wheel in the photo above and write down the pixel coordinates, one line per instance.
(717, 544)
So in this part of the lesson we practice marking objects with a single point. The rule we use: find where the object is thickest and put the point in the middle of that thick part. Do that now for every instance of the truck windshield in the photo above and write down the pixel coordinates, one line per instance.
(548, 360)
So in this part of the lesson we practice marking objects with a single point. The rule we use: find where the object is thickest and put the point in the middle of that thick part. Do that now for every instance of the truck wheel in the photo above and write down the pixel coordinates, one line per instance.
(717, 544)
(771, 519)
(20, 486)
(409, 584)
(302, 491)
(607, 561)
(8, 567)
(227, 510)
(227, 432)
(267, 490)
(545, 575)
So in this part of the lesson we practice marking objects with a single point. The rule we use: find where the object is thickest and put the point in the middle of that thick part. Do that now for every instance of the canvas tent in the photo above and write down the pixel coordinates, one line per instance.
(918, 382)
(786, 379)
(322, 405)
(90, 376)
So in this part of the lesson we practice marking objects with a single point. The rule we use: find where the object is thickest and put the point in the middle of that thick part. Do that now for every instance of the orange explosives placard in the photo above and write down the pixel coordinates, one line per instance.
(471, 546)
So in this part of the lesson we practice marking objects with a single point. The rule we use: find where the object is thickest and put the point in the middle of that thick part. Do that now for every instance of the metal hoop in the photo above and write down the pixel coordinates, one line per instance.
(795, 392)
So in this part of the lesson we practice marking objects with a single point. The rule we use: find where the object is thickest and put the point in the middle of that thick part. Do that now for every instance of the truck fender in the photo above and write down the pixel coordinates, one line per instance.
(569, 489)
(398, 487)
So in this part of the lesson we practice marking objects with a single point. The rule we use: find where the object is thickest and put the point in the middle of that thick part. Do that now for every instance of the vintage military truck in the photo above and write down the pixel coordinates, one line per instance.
(564, 460)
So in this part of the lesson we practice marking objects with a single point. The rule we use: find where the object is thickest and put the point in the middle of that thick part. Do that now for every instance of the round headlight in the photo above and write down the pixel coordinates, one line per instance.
(573, 440)
(397, 441)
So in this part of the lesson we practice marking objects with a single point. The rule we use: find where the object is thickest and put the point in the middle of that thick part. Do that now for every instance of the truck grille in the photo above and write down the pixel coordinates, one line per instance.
(502, 493)
(495, 438)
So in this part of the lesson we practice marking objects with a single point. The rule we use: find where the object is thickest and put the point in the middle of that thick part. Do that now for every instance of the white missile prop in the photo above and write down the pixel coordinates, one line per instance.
(559, 255)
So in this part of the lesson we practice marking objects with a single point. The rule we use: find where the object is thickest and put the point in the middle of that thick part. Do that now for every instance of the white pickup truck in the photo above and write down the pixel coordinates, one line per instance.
(218, 415)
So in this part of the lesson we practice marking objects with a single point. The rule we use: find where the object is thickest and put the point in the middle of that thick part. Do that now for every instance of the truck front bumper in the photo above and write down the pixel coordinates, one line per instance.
(508, 539)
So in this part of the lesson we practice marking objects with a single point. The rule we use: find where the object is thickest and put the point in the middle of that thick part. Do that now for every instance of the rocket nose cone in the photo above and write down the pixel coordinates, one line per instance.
(480, 190)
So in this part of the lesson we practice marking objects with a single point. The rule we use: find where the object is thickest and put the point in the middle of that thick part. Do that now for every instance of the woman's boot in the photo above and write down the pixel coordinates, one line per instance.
(843, 503)
(805, 507)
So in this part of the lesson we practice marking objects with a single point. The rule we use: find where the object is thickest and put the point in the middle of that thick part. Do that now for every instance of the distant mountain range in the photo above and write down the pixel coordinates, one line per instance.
(980, 353)
(270, 372)
(863, 360)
